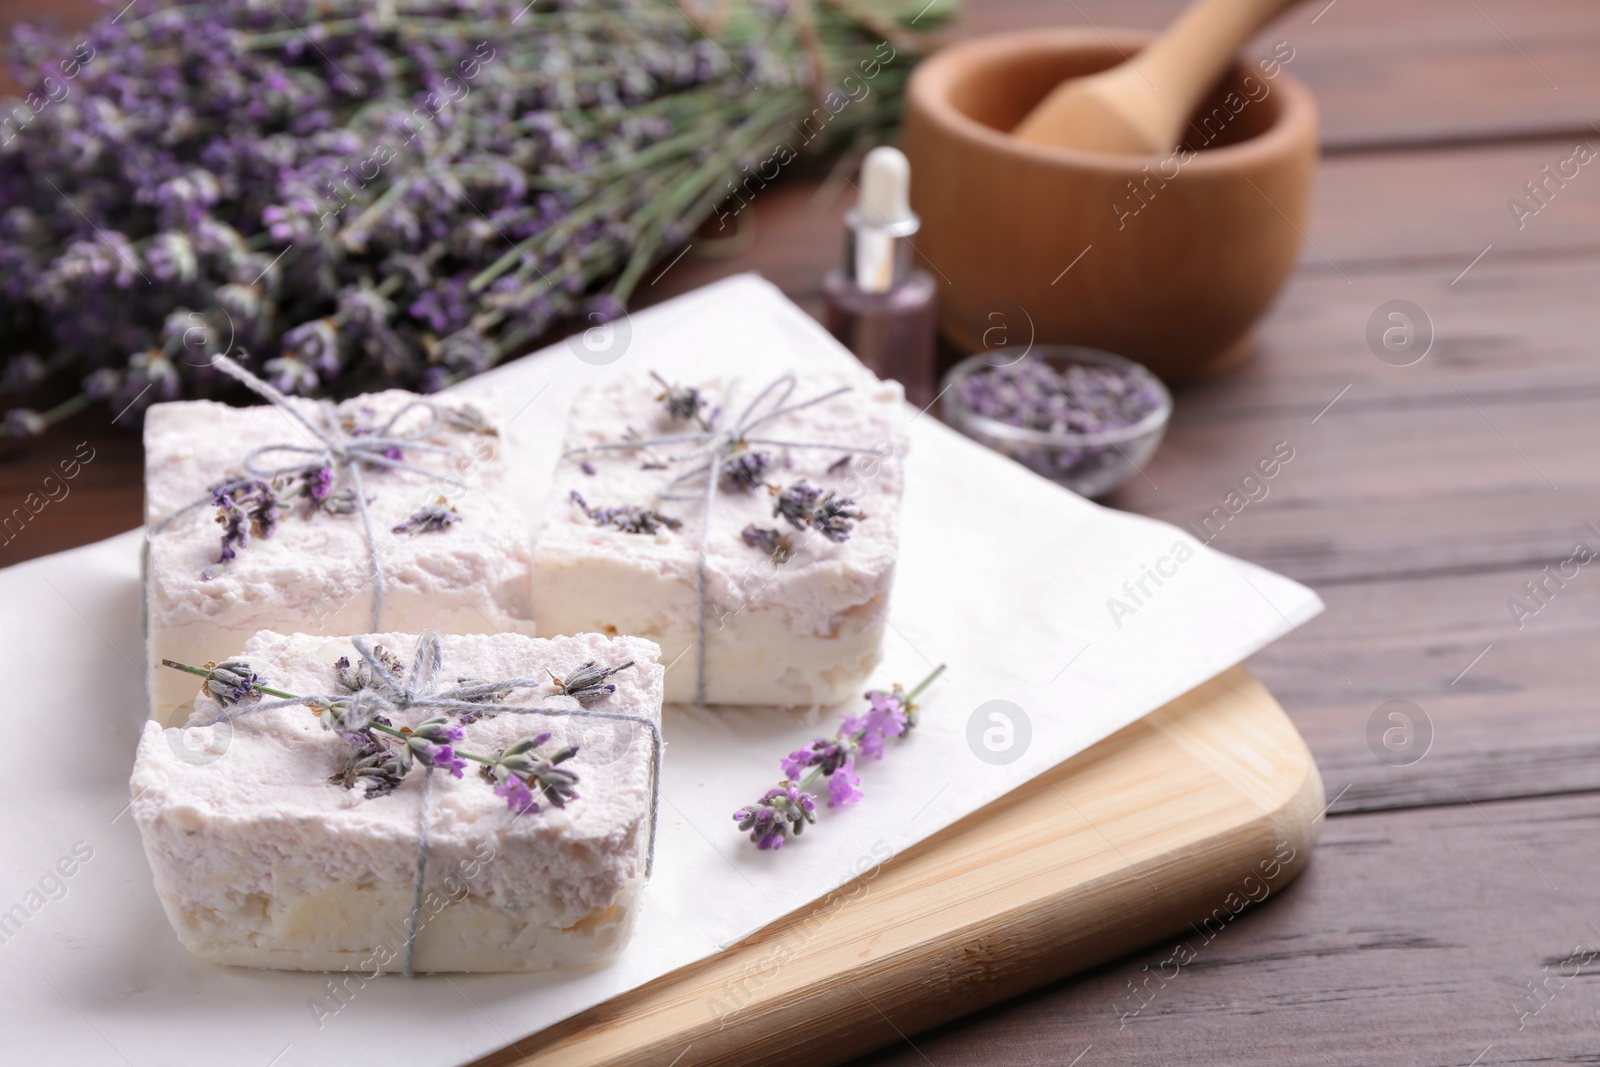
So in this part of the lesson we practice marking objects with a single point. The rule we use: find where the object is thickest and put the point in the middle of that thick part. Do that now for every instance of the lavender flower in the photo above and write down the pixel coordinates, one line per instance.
(244, 509)
(828, 513)
(589, 682)
(438, 729)
(780, 813)
(517, 795)
(354, 238)
(629, 518)
(745, 470)
(318, 483)
(20, 422)
(684, 403)
(842, 785)
(231, 682)
(430, 518)
(787, 809)
(522, 775)
(374, 771)
(432, 755)
(886, 717)
(773, 542)
(353, 679)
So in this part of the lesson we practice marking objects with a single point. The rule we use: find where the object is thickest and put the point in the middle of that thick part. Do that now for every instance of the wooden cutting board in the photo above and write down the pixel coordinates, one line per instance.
(1169, 826)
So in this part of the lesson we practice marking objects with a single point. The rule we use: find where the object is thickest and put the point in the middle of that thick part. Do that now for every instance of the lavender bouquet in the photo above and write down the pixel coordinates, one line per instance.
(399, 193)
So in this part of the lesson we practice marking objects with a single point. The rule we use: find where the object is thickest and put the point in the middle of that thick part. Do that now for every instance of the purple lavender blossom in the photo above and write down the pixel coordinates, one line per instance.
(350, 233)
(786, 809)
(745, 470)
(443, 758)
(430, 518)
(629, 518)
(806, 506)
(589, 683)
(885, 718)
(244, 509)
(684, 403)
(780, 813)
(842, 786)
(518, 797)
(319, 483)
(20, 422)
(778, 547)
(231, 682)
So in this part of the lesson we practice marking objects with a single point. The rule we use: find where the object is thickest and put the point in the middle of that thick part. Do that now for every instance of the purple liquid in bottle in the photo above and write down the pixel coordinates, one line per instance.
(878, 305)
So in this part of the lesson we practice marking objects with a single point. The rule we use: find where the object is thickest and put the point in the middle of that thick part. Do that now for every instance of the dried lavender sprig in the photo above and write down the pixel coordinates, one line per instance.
(788, 809)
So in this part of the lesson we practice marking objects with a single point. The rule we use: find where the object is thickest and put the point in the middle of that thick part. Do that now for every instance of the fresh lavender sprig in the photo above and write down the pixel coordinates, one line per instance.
(407, 201)
(382, 754)
(788, 809)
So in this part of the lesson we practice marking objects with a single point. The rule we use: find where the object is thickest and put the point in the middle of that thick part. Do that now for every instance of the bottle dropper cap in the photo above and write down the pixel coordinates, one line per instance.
(881, 220)
(885, 188)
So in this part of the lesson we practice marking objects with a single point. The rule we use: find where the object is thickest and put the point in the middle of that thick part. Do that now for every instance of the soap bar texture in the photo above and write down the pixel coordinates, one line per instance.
(262, 859)
(791, 616)
(310, 568)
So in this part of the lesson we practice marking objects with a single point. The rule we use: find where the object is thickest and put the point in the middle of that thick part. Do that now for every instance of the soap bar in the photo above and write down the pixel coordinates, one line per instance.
(262, 859)
(795, 602)
(459, 561)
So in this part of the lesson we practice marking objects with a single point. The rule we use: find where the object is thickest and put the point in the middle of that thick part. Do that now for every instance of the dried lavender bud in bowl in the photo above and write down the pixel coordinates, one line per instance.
(1085, 419)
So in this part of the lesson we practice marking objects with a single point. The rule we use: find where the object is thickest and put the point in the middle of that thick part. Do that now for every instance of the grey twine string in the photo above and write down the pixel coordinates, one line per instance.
(715, 445)
(417, 694)
(334, 449)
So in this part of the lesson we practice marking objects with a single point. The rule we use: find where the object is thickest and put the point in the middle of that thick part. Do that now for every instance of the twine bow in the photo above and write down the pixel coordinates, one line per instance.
(417, 694)
(715, 446)
(348, 454)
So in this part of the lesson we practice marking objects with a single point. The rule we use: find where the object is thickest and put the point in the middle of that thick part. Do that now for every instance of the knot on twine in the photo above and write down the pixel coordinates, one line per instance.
(390, 694)
(715, 446)
(334, 448)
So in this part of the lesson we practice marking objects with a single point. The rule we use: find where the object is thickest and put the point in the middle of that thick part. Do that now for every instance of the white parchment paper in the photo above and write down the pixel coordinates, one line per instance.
(1003, 576)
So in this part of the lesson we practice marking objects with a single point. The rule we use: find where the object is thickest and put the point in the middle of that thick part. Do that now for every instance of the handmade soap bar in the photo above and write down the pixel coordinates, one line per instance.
(291, 551)
(273, 847)
(799, 555)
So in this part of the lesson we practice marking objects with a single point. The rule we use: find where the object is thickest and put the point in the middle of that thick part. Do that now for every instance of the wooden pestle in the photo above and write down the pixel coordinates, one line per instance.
(1140, 106)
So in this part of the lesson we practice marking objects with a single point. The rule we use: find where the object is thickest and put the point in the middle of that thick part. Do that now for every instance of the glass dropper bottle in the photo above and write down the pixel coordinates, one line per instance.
(879, 305)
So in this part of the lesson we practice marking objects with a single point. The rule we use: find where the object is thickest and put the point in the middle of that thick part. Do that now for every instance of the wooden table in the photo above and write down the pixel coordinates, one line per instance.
(1451, 915)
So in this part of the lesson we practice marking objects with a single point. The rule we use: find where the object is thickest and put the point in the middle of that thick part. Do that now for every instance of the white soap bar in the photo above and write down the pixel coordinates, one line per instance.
(261, 861)
(795, 631)
(314, 572)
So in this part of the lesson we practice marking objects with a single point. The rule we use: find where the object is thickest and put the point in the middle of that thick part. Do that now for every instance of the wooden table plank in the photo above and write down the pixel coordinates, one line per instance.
(1512, 710)
(1412, 938)
(1391, 74)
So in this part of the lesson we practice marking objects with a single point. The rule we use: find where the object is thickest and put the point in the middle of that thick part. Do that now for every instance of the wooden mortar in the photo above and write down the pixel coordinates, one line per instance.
(1166, 259)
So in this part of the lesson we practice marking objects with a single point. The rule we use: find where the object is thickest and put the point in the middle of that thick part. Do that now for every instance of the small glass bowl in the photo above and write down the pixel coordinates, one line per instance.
(1090, 464)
